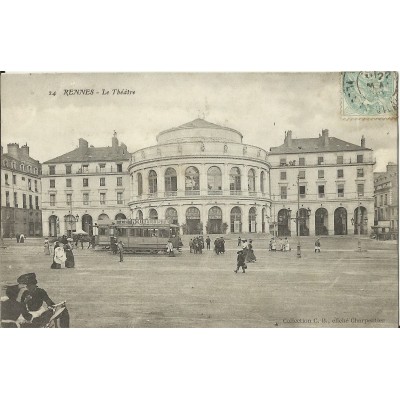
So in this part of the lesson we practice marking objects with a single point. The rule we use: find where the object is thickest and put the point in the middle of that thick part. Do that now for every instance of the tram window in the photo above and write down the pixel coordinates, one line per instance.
(163, 233)
(102, 231)
(132, 232)
(123, 232)
(139, 232)
(146, 232)
(112, 231)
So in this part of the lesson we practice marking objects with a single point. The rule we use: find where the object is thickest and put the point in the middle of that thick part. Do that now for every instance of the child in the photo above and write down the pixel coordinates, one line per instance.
(241, 261)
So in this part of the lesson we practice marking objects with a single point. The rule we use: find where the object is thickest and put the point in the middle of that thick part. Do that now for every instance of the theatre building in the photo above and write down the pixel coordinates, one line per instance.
(83, 186)
(20, 192)
(203, 177)
(321, 186)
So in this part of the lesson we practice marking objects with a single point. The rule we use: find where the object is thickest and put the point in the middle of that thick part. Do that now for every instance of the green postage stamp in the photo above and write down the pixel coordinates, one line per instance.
(369, 94)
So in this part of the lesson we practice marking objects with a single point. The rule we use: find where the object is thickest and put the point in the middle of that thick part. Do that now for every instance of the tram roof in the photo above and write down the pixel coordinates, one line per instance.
(137, 223)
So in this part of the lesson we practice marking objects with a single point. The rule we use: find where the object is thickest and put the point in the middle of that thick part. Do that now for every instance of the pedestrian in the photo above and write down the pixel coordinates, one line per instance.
(77, 237)
(81, 239)
(287, 244)
(34, 297)
(11, 309)
(191, 245)
(245, 247)
(46, 247)
(17, 236)
(317, 246)
(240, 262)
(250, 257)
(222, 245)
(70, 260)
(208, 241)
(170, 248)
(239, 241)
(93, 238)
(273, 244)
(59, 256)
(22, 238)
(121, 251)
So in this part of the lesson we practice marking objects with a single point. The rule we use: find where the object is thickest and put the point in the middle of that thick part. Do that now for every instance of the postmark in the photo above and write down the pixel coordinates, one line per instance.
(369, 94)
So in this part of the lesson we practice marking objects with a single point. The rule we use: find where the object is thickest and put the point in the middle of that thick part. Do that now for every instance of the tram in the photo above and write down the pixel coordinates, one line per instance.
(139, 235)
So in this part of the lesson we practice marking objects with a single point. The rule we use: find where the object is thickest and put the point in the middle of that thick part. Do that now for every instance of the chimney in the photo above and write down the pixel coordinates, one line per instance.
(289, 138)
(115, 142)
(13, 150)
(83, 145)
(25, 150)
(124, 148)
(363, 141)
(325, 137)
(391, 167)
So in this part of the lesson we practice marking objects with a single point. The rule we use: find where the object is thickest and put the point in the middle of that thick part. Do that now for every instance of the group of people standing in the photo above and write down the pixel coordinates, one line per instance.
(245, 255)
(61, 251)
(279, 244)
(196, 245)
(219, 245)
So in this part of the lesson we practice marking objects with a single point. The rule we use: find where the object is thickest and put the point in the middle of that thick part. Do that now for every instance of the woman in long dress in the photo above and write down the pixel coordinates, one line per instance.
(70, 260)
(250, 257)
(59, 257)
(46, 247)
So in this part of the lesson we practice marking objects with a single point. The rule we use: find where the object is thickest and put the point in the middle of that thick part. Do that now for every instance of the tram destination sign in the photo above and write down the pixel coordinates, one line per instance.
(146, 221)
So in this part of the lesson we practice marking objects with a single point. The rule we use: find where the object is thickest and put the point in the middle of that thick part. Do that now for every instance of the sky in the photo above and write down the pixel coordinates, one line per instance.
(262, 106)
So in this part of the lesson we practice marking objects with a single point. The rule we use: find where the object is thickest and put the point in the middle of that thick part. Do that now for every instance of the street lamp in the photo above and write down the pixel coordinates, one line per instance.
(358, 224)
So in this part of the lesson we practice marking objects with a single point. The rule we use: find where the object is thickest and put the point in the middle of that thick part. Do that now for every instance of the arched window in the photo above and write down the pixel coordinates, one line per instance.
(102, 217)
(192, 179)
(214, 180)
(251, 180)
(120, 216)
(139, 214)
(152, 182)
(262, 182)
(171, 183)
(139, 184)
(171, 215)
(153, 214)
(22, 167)
(29, 168)
(234, 180)
(236, 220)
(252, 220)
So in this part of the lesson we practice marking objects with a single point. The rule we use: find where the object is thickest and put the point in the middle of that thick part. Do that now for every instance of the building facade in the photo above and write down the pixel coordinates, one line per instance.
(321, 186)
(83, 186)
(20, 192)
(386, 199)
(203, 177)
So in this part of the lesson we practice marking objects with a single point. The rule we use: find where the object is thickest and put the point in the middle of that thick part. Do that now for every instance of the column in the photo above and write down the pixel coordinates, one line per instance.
(160, 182)
(181, 216)
(245, 218)
(226, 216)
(259, 219)
(257, 186)
(245, 180)
(311, 222)
(225, 179)
(145, 181)
(181, 180)
(203, 180)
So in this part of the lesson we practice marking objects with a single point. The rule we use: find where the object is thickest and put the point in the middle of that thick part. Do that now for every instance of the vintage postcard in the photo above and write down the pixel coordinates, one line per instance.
(208, 200)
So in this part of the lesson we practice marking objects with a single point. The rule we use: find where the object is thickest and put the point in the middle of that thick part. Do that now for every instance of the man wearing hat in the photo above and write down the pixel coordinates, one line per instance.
(33, 299)
(241, 258)
(11, 309)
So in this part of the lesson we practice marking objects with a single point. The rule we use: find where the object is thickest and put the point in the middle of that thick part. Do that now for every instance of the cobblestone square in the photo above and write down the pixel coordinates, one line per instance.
(339, 287)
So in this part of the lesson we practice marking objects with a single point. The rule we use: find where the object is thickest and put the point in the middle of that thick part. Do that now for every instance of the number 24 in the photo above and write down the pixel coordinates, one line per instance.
(52, 93)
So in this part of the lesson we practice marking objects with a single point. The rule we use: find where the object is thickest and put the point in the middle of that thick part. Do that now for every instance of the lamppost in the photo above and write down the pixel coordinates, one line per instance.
(358, 223)
(73, 219)
(297, 218)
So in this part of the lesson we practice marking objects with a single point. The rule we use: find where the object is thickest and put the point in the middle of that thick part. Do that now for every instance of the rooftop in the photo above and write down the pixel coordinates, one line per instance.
(320, 144)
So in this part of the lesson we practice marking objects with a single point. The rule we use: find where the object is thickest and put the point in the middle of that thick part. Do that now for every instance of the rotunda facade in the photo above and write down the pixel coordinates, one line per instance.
(203, 177)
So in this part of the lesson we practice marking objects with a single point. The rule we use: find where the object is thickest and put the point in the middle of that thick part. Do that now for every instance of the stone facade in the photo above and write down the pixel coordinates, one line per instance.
(201, 176)
(328, 180)
(84, 186)
(20, 192)
(386, 198)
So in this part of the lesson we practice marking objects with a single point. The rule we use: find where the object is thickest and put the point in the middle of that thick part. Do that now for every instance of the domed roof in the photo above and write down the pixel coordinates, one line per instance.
(199, 130)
